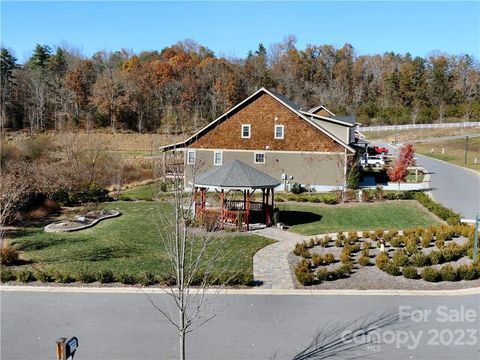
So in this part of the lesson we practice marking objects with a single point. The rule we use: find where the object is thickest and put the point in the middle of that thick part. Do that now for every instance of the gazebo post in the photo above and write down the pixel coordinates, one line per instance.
(222, 197)
(247, 221)
(273, 198)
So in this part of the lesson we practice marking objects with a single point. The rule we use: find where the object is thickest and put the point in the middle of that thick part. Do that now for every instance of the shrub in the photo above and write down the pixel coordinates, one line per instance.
(62, 277)
(381, 260)
(8, 255)
(6, 274)
(400, 258)
(392, 269)
(352, 236)
(339, 242)
(345, 256)
(373, 236)
(439, 210)
(351, 195)
(317, 259)
(366, 196)
(448, 273)
(411, 245)
(467, 272)
(303, 274)
(410, 272)
(435, 257)
(330, 199)
(355, 248)
(311, 243)
(393, 232)
(353, 177)
(325, 241)
(341, 236)
(43, 276)
(440, 242)
(427, 239)
(297, 189)
(322, 274)
(127, 279)
(430, 274)
(367, 245)
(106, 276)
(301, 250)
(329, 258)
(276, 215)
(85, 276)
(343, 270)
(379, 193)
(419, 260)
(364, 260)
(379, 233)
(24, 275)
(147, 278)
(396, 241)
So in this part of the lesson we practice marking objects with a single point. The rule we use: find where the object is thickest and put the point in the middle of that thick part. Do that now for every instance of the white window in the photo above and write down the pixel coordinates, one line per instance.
(191, 155)
(218, 158)
(246, 130)
(259, 158)
(279, 131)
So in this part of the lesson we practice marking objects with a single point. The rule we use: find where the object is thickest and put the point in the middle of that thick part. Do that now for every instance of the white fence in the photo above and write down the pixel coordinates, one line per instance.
(419, 126)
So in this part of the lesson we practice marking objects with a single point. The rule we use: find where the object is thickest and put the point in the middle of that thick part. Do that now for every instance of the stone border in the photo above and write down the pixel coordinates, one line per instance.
(49, 228)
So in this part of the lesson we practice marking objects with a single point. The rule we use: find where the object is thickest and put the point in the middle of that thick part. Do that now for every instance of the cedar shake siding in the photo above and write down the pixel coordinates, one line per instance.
(260, 113)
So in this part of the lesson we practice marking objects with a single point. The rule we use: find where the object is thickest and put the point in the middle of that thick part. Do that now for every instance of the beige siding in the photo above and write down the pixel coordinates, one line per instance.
(322, 169)
(340, 131)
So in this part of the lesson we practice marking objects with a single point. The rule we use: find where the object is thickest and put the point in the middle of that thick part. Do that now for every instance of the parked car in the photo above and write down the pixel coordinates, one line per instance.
(377, 150)
(376, 161)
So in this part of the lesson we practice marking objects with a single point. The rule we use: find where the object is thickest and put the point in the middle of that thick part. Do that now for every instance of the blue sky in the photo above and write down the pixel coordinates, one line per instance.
(233, 28)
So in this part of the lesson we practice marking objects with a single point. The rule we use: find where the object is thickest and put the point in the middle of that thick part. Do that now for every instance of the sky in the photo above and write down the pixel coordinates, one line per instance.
(233, 28)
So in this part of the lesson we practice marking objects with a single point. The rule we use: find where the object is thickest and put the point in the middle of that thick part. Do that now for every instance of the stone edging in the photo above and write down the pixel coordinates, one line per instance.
(48, 228)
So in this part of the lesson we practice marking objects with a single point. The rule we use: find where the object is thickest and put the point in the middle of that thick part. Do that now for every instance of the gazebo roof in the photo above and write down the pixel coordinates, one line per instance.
(236, 175)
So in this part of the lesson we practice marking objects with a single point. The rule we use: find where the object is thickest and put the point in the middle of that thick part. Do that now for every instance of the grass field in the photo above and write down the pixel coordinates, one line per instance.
(317, 219)
(408, 135)
(141, 192)
(129, 243)
(454, 151)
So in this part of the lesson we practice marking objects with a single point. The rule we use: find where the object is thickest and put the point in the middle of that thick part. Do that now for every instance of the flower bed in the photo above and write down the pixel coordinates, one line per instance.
(81, 222)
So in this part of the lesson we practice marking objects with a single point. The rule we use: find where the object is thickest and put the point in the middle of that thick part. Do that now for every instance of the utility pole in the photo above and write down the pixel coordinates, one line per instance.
(466, 149)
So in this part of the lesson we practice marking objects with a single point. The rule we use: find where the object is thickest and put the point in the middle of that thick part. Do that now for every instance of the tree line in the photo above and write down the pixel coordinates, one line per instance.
(185, 86)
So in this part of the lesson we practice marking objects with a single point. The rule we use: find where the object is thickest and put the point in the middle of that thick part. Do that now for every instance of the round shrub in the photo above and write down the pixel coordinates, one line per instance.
(352, 236)
(379, 233)
(355, 248)
(304, 276)
(106, 276)
(329, 258)
(410, 272)
(419, 260)
(440, 242)
(366, 235)
(8, 255)
(147, 278)
(43, 276)
(364, 260)
(301, 250)
(435, 257)
(127, 279)
(367, 245)
(400, 258)
(322, 274)
(344, 270)
(317, 259)
(467, 272)
(427, 239)
(85, 276)
(6, 275)
(411, 245)
(430, 274)
(381, 260)
(62, 277)
(325, 241)
(345, 256)
(24, 275)
(396, 241)
(340, 236)
(392, 269)
(311, 243)
(448, 273)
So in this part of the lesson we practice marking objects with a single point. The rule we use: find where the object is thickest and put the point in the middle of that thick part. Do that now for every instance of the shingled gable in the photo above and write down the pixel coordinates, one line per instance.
(280, 98)
(318, 108)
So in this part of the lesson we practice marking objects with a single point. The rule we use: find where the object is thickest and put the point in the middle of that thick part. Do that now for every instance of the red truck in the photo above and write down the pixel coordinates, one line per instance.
(377, 150)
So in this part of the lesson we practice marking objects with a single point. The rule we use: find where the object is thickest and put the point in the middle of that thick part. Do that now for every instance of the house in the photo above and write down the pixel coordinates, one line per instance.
(269, 132)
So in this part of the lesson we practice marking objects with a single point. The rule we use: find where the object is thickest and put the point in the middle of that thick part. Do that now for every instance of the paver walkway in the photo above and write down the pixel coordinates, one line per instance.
(270, 264)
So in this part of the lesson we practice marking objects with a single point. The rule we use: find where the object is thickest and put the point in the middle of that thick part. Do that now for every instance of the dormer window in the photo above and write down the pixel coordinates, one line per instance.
(279, 131)
(191, 155)
(246, 131)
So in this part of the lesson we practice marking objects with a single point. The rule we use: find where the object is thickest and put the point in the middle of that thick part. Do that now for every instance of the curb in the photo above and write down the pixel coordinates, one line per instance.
(295, 292)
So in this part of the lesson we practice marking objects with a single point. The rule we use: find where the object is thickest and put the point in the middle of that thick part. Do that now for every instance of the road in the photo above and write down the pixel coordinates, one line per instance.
(453, 186)
(121, 326)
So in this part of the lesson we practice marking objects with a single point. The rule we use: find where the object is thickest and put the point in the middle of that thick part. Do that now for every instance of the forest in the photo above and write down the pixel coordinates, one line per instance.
(184, 86)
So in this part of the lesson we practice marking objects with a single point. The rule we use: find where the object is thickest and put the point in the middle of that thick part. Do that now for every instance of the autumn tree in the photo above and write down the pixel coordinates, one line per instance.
(405, 158)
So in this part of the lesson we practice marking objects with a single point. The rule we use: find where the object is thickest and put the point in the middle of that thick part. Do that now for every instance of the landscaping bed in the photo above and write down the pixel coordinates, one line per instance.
(437, 257)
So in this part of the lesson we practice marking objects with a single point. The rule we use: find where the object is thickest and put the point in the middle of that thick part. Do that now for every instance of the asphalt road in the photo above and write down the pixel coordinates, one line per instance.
(126, 326)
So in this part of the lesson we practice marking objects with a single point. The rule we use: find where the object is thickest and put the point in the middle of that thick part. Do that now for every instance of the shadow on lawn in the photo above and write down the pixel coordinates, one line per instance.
(292, 217)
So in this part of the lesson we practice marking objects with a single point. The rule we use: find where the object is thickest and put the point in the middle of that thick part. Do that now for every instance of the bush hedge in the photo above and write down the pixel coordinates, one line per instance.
(410, 272)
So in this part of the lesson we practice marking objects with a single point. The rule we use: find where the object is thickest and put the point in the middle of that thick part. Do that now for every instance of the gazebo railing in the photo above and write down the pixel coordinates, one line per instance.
(240, 205)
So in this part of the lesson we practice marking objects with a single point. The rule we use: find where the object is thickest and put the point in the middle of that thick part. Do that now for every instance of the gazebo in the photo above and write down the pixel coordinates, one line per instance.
(237, 178)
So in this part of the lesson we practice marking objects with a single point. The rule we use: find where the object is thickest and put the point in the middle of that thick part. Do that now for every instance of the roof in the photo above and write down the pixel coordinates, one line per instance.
(280, 98)
(342, 120)
(316, 108)
(236, 175)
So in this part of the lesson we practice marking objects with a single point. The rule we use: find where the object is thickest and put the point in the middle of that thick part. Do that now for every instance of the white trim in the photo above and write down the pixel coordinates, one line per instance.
(255, 157)
(275, 132)
(320, 117)
(312, 110)
(215, 157)
(194, 152)
(249, 126)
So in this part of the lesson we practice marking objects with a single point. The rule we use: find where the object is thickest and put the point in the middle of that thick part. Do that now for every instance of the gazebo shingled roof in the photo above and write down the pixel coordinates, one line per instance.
(236, 175)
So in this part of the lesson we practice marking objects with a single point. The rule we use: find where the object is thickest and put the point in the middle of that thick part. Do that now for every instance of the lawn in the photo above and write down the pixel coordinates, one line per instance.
(415, 134)
(318, 219)
(453, 151)
(141, 192)
(129, 244)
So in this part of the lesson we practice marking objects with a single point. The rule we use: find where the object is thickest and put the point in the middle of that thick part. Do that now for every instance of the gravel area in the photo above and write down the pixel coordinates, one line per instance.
(372, 278)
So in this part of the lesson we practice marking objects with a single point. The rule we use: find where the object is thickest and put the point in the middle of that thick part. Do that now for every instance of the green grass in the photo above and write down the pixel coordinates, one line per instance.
(129, 243)
(317, 219)
(141, 192)
(411, 176)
